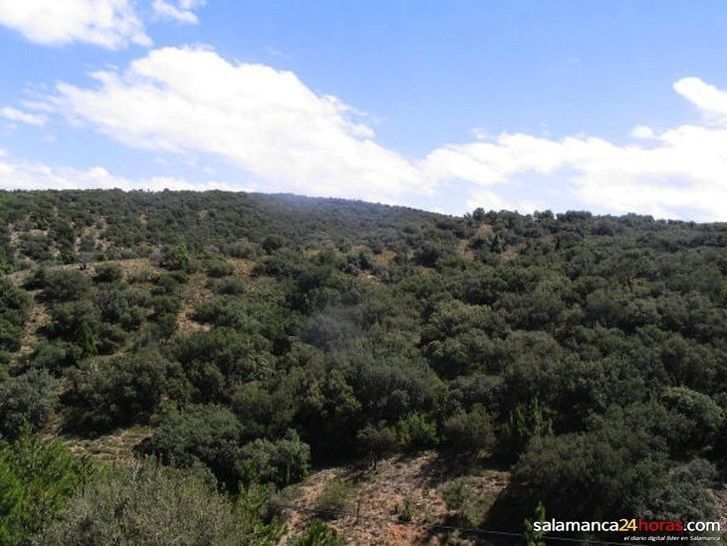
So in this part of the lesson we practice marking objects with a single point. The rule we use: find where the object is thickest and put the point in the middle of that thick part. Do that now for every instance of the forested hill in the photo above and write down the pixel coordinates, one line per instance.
(262, 339)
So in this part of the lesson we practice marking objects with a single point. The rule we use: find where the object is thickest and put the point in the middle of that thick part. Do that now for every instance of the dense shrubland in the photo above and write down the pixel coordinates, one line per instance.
(588, 354)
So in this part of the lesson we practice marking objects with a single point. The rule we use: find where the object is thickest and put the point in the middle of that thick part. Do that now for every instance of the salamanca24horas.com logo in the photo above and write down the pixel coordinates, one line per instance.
(627, 525)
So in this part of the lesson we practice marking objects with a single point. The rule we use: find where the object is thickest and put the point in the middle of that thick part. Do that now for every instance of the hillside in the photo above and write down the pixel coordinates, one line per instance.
(335, 356)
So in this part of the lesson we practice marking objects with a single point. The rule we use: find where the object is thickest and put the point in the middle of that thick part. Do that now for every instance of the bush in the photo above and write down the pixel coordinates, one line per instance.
(282, 462)
(151, 504)
(219, 268)
(416, 432)
(470, 431)
(26, 401)
(406, 513)
(205, 434)
(470, 502)
(319, 534)
(231, 286)
(334, 498)
(558, 469)
(108, 272)
(240, 249)
(696, 419)
(123, 307)
(54, 356)
(61, 284)
(123, 390)
(377, 442)
(14, 309)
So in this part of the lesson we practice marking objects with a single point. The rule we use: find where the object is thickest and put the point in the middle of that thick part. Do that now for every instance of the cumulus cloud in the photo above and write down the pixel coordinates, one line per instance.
(706, 97)
(265, 120)
(24, 175)
(108, 23)
(13, 114)
(182, 12)
(289, 138)
(681, 174)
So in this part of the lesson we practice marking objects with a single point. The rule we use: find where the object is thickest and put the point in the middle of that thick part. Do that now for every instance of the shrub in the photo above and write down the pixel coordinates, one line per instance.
(61, 284)
(122, 390)
(219, 268)
(206, 434)
(240, 249)
(108, 272)
(406, 513)
(14, 309)
(26, 401)
(151, 504)
(334, 498)
(176, 258)
(377, 442)
(416, 432)
(231, 286)
(319, 534)
(54, 356)
(469, 502)
(470, 431)
(282, 462)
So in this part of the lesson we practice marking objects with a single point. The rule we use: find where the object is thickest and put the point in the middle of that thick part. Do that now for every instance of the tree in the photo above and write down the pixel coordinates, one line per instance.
(37, 479)
(470, 431)
(377, 442)
(26, 401)
(108, 272)
(697, 418)
(558, 469)
(123, 390)
(206, 434)
(282, 461)
(176, 258)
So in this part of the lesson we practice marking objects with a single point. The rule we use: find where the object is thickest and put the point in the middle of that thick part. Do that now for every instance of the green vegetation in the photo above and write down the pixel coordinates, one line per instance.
(259, 336)
(150, 504)
(38, 479)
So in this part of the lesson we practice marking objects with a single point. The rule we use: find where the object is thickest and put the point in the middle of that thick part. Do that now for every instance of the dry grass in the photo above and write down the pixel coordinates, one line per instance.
(38, 318)
(117, 446)
(242, 267)
(381, 494)
(195, 291)
(484, 229)
(464, 250)
(385, 257)
(136, 266)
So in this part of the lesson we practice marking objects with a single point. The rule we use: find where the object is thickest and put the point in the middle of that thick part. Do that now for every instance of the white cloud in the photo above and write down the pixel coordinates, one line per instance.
(681, 174)
(193, 101)
(489, 200)
(182, 12)
(706, 97)
(642, 132)
(13, 114)
(17, 174)
(108, 23)
(265, 120)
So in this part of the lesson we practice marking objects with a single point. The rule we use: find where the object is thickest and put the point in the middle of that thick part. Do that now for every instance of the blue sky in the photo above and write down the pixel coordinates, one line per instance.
(608, 106)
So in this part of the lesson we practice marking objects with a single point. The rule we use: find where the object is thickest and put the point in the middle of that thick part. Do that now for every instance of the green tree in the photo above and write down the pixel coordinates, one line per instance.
(470, 431)
(37, 479)
(377, 441)
(26, 401)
